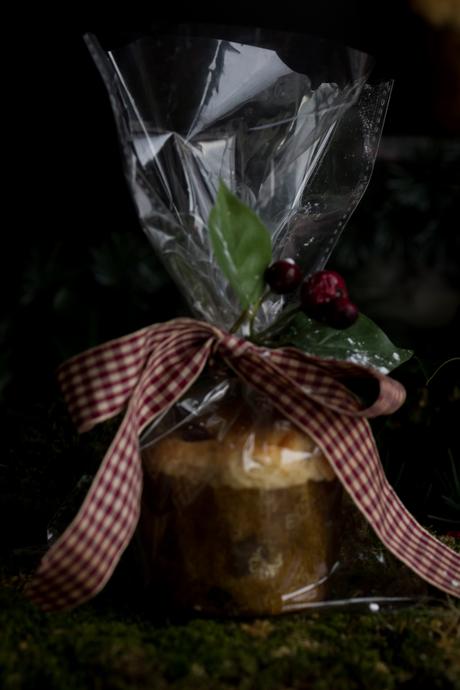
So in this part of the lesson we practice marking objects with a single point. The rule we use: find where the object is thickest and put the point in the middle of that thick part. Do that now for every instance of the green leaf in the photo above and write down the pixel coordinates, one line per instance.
(363, 343)
(241, 244)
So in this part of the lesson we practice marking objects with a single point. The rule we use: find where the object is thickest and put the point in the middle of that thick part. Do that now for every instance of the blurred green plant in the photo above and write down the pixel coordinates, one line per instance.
(409, 214)
(67, 298)
(419, 444)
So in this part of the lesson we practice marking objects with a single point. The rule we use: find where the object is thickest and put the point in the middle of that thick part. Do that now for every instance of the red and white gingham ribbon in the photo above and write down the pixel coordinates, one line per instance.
(147, 372)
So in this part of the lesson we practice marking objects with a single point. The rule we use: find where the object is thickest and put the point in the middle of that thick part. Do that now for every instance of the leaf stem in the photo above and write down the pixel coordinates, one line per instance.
(240, 320)
(254, 309)
(263, 335)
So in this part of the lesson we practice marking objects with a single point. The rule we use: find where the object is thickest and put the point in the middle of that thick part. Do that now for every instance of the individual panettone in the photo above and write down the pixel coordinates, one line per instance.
(242, 522)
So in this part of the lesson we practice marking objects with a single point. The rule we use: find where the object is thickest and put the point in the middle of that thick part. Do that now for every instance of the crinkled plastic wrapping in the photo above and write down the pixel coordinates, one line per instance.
(242, 514)
(297, 147)
(241, 511)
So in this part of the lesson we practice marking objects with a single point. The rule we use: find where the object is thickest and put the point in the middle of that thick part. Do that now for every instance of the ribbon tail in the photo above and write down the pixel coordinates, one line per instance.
(432, 560)
(82, 560)
(349, 446)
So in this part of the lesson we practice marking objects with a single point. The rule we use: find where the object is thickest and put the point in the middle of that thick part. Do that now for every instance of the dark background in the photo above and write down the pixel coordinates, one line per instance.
(76, 268)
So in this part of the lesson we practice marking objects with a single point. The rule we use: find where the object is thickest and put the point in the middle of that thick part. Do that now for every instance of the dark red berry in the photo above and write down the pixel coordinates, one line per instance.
(319, 289)
(341, 313)
(324, 297)
(283, 276)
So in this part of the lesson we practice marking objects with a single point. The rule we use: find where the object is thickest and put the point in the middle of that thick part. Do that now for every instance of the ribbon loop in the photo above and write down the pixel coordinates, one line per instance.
(98, 383)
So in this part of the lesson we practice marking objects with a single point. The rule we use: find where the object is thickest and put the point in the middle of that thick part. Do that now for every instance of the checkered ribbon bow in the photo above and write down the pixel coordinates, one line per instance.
(147, 372)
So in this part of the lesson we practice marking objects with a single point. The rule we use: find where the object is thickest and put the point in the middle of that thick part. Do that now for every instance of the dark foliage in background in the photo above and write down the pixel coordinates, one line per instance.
(402, 249)
(401, 256)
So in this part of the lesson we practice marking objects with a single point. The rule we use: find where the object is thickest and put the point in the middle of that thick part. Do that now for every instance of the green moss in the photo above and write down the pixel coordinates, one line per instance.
(105, 647)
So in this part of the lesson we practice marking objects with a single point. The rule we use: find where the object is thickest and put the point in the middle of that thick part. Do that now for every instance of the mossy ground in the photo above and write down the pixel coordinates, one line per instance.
(105, 646)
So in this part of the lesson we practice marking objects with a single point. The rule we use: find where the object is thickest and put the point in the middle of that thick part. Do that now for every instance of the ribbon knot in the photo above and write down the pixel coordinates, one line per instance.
(228, 346)
(146, 372)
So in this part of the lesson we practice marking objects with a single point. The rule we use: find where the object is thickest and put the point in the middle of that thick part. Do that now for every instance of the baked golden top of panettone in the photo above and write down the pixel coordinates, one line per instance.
(243, 455)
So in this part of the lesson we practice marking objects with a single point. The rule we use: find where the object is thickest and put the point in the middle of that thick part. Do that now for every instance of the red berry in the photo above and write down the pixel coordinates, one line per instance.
(319, 289)
(341, 313)
(283, 276)
(324, 297)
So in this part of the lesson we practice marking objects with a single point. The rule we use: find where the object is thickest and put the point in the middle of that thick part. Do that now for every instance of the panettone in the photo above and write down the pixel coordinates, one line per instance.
(240, 517)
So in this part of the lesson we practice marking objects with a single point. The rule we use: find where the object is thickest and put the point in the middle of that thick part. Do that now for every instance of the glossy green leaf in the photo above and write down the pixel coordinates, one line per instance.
(363, 343)
(241, 245)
